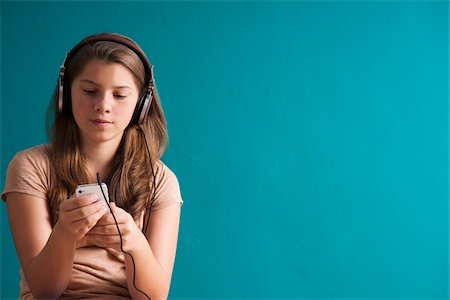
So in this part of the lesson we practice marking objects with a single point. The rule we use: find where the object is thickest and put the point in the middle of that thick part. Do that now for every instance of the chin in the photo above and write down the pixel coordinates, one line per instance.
(105, 138)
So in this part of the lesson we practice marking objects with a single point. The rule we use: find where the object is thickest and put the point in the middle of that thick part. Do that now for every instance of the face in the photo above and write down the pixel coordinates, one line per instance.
(104, 96)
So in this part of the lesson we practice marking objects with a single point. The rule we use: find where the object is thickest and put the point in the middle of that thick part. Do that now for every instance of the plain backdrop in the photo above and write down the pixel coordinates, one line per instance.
(310, 139)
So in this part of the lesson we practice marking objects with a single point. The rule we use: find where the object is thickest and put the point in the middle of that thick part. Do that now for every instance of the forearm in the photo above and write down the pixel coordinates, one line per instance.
(150, 276)
(48, 274)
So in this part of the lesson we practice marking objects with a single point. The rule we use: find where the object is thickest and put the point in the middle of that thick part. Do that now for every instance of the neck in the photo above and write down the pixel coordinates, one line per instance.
(99, 158)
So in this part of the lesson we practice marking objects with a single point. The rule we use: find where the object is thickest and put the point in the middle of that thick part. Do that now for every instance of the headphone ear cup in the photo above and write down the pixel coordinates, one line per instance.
(59, 94)
(63, 96)
(142, 107)
(67, 105)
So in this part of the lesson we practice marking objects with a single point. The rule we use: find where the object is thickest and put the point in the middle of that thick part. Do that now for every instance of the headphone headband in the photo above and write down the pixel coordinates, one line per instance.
(115, 38)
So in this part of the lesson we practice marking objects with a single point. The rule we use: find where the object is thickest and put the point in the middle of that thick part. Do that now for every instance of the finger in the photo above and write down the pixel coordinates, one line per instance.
(106, 204)
(116, 210)
(86, 214)
(110, 229)
(113, 207)
(83, 226)
(119, 215)
(77, 202)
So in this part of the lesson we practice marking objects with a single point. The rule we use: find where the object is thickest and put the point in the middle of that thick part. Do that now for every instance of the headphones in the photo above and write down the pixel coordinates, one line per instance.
(145, 97)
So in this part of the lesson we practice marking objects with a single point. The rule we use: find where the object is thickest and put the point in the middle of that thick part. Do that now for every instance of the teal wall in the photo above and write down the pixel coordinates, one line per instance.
(310, 139)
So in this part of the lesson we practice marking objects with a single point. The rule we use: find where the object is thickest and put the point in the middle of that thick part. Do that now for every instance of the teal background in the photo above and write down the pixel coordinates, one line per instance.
(310, 139)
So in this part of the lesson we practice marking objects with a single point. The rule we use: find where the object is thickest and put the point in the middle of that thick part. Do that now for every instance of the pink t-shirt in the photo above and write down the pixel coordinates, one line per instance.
(96, 272)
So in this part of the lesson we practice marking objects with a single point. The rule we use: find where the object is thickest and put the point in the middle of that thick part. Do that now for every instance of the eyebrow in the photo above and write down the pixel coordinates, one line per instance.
(95, 83)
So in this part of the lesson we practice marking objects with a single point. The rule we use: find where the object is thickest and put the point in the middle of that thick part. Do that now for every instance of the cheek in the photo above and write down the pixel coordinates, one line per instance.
(77, 114)
(79, 102)
(80, 108)
(127, 110)
(128, 115)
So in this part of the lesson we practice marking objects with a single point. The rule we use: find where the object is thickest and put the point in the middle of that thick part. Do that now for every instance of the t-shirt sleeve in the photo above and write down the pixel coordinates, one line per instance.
(167, 188)
(28, 174)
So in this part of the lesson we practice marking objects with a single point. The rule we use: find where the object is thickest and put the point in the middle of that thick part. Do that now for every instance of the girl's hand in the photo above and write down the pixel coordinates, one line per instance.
(78, 215)
(105, 234)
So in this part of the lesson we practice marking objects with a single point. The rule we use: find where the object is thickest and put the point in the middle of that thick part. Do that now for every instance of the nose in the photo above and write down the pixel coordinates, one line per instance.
(103, 103)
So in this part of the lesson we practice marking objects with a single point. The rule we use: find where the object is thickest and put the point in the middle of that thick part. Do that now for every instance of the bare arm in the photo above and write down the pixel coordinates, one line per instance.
(153, 255)
(46, 254)
(155, 272)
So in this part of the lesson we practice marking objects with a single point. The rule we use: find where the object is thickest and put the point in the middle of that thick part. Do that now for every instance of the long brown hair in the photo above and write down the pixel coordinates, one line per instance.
(130, 184)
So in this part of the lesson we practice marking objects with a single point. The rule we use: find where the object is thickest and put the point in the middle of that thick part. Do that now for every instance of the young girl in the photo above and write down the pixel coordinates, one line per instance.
(106, 118)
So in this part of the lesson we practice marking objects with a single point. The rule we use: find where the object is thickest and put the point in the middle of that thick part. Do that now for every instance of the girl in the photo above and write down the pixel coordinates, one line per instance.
(105, 117)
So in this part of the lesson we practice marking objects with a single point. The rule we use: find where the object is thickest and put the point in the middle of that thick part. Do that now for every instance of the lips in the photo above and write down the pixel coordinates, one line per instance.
(101, 122)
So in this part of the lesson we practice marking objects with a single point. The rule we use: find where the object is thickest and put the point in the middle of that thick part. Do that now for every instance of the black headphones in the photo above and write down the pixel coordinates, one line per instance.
(146, 96)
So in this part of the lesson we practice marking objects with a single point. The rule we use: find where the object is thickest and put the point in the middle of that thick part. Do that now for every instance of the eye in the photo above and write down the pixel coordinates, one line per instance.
(90, 92)
(120, 96)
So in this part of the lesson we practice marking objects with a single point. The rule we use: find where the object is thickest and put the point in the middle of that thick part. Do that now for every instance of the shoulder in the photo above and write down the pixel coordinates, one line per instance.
(37, 154)
(167, 186)
(36, 158)
(163, 171)
(29, 171)
(165, 177)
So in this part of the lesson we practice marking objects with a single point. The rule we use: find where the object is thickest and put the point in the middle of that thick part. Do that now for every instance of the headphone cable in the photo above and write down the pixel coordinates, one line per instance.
(121, 241)
(149, 210)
